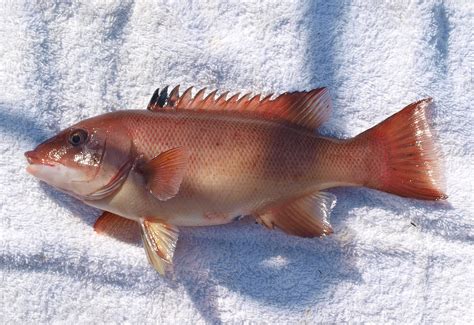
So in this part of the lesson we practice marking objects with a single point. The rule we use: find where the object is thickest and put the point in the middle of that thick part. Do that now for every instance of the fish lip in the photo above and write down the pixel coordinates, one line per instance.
(33, 159)
(33, 168)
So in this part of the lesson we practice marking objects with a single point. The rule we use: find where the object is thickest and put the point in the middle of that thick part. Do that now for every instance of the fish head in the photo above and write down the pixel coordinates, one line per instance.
(88, 160)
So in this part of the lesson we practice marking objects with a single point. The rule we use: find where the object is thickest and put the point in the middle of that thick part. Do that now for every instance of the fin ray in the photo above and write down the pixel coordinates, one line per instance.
(159, 241)
(116, 226)
(306, 216)
(165, 172)
(412, 166)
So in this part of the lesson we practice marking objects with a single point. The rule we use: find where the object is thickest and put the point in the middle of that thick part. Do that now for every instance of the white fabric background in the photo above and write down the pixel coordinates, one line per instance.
(62, 61)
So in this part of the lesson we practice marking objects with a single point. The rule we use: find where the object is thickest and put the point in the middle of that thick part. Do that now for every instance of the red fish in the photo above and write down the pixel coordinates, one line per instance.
(201, 160)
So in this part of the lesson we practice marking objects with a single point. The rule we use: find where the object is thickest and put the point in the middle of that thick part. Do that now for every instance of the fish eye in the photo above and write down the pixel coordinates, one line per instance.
(77, 137)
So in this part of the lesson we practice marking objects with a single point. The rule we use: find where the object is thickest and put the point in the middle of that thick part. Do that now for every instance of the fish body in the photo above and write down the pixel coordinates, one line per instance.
(237, 166)
(195, 161)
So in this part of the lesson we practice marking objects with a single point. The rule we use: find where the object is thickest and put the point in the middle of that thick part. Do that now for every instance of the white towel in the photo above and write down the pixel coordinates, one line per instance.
(391, 259)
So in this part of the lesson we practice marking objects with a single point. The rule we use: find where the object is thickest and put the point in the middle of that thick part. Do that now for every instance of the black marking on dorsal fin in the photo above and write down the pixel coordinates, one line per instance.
(158, 100)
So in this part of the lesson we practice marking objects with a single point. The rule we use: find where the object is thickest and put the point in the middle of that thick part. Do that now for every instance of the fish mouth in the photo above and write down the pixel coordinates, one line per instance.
(34, 161)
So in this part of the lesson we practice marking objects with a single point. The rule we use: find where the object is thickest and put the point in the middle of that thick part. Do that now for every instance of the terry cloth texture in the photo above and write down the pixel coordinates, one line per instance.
(390, 260)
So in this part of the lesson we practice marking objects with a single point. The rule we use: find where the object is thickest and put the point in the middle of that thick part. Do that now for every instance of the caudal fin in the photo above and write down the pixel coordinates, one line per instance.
(410, 164)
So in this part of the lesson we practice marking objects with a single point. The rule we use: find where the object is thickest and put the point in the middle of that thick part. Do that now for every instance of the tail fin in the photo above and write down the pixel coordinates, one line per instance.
(410, 165)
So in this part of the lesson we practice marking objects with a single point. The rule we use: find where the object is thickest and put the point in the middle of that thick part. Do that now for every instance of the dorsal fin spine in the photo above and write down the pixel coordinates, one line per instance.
(221, 99)
(232, 100)
(186, 98)
(249, 103)
(173, 96)
(199, 97)
(209, 98)
(242, 102)
(254, 102)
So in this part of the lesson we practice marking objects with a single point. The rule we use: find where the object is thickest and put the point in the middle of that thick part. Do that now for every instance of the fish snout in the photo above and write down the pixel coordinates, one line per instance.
(32, 157)
(35, 163)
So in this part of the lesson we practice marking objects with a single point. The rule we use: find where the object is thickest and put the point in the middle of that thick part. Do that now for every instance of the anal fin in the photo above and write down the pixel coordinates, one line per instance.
(159, 240)
(306, 216)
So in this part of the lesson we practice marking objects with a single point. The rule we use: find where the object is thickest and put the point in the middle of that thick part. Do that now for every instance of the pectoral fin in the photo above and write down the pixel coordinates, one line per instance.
(159, 240)
(307, 216)
(165, 172)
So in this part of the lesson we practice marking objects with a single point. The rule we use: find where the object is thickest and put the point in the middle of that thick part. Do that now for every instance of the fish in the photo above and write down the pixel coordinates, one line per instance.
(203, 159)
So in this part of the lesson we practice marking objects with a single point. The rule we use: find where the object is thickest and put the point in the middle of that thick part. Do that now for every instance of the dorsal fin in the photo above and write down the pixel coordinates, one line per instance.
(305, 108)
